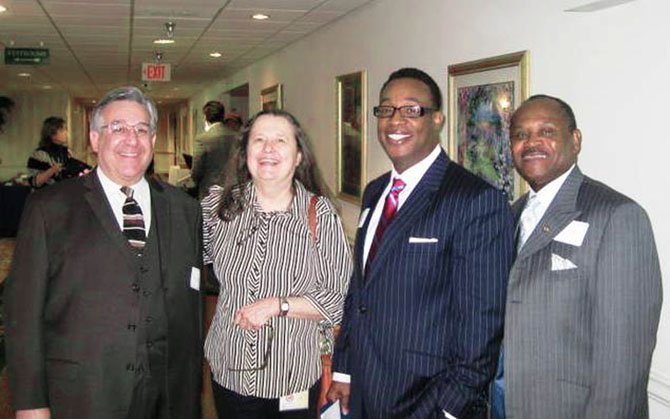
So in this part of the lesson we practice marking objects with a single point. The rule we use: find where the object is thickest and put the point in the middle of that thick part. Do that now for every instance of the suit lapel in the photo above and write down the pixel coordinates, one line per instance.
(370, 200)
(561, 211)
(97, 200)
(413, 209)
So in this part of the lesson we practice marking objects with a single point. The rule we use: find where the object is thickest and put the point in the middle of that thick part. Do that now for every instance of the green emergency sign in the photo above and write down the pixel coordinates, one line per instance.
(26, 56)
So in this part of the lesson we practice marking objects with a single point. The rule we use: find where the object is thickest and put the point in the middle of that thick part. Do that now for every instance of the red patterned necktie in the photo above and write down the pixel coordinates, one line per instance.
(133, 220)
(390, 208)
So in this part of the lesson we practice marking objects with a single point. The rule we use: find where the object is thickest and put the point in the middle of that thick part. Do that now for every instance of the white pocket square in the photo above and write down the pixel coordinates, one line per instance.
(560, 264)
(573, 234)
(423, 240)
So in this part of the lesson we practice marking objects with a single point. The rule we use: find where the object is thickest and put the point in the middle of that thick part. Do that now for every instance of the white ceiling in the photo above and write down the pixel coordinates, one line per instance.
(97, 45)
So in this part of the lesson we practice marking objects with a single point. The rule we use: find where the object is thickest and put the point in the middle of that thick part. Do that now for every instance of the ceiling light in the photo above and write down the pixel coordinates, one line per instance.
(163, 41)
(215, 54)
(169, 34)
(46, 87)
(23, 74)
(260, 16)
(3, 9)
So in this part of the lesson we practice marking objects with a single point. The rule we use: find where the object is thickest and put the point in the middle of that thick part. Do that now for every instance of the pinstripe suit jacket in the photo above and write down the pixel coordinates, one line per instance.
(421, 332)
(578, 342)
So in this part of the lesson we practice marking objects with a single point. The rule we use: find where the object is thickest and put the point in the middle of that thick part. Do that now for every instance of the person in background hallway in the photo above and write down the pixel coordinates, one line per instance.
(233, 121)
(212, 148)
(423, 317)
(51, 161)
(584, 294)
(279, 284)
(102, 304)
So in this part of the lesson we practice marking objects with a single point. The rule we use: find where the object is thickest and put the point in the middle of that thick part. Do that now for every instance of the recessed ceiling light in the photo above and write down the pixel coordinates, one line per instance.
(46, 87)
(215, 54)
(163, 41)
(3, 9)
(260, 16)
(23, 74)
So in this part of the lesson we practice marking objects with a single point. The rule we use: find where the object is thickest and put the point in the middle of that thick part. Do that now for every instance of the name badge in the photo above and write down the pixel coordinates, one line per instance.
(295, 401)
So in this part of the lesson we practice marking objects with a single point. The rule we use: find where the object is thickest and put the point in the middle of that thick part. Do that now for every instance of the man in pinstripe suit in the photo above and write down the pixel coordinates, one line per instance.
(584, 293)
(423, 317)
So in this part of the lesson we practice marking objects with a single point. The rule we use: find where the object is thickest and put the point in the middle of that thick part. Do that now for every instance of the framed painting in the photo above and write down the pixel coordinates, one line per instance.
(483, 95)
(271, 97)
(351, 135)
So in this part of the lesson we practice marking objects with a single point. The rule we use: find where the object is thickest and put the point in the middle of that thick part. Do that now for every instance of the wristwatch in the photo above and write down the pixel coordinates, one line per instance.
(283, 306)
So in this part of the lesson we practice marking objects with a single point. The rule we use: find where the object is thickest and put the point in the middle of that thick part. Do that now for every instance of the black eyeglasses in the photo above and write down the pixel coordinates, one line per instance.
(270, 335)
(409, 111)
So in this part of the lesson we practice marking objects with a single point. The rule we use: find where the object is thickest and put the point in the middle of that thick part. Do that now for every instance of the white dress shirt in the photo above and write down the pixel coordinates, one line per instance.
(116, 198)
(547, 194)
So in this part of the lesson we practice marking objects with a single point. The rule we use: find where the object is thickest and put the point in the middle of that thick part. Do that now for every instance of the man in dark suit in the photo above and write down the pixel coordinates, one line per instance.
(584, 294)
(213, 148)
(103, 304)
(423, 316)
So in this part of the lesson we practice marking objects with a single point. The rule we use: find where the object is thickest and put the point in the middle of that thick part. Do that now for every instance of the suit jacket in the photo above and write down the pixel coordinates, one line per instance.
(213, 149)
(578, 341)
(70, 301)
(421, 332)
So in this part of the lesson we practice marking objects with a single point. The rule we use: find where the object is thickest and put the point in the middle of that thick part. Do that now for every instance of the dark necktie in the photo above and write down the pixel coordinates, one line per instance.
(390, 208)
(133, 220)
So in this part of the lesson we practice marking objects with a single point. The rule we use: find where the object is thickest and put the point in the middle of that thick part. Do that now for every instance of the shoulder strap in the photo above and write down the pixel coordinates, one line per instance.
(311, 216)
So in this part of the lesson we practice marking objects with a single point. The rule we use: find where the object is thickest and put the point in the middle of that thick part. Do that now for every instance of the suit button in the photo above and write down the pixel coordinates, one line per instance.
(130, 367)
(131, 327)
(362, 309)
(146, 293)
(144, 269)
(150, 344)
(149, 319)
(135, 287)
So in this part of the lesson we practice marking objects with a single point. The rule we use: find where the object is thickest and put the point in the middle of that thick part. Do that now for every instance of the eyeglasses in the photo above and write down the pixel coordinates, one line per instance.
(122, 129)
(270, 335)
(409, 111)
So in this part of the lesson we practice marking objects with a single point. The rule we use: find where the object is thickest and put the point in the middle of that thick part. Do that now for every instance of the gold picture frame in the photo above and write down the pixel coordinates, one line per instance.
(482, 95)
(351, 91)
(272, 98)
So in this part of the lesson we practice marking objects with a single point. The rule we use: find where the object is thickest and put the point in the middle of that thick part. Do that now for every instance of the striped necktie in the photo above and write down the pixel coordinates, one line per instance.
(133, 220)
(390, 208)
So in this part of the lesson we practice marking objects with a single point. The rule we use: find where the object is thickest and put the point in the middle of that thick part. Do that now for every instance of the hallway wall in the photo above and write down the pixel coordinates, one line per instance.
(611, 66)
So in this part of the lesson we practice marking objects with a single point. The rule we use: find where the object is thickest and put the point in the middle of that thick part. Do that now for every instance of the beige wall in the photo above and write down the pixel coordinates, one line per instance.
(611, 66)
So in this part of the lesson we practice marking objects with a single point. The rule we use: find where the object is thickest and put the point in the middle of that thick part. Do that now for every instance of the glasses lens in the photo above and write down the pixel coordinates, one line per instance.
(383, 111)
(414, 111)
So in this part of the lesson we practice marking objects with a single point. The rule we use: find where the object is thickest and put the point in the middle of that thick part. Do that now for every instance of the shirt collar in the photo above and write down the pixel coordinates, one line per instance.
(413, 175)
(549, 191)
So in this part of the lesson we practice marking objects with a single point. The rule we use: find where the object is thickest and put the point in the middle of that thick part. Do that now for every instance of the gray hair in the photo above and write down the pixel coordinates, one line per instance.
(130, 93)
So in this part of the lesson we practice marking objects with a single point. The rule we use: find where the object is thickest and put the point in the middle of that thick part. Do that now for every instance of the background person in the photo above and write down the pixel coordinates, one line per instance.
(277, 285)
(52, 161)
(213, 148)
(102, 304)
(584, 294)
(423, 317)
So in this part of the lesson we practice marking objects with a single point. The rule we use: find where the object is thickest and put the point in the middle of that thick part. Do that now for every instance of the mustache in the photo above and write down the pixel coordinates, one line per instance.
(532, 150)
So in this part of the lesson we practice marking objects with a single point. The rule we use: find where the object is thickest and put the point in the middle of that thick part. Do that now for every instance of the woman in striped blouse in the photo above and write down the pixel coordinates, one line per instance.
(278, 283)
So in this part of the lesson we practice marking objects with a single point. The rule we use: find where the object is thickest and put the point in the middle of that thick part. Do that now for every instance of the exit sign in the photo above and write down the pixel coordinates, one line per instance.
(156, 72)
(26, 56)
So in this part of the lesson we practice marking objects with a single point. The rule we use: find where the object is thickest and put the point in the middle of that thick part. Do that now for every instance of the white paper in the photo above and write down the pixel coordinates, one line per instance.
(573, 234)
(332, 412)
(195, 278)
(295, 401)
(363, 217)
(560, 264)
(423, 240)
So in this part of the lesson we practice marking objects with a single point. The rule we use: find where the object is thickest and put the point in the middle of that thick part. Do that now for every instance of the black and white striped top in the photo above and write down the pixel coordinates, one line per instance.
(259, 255)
